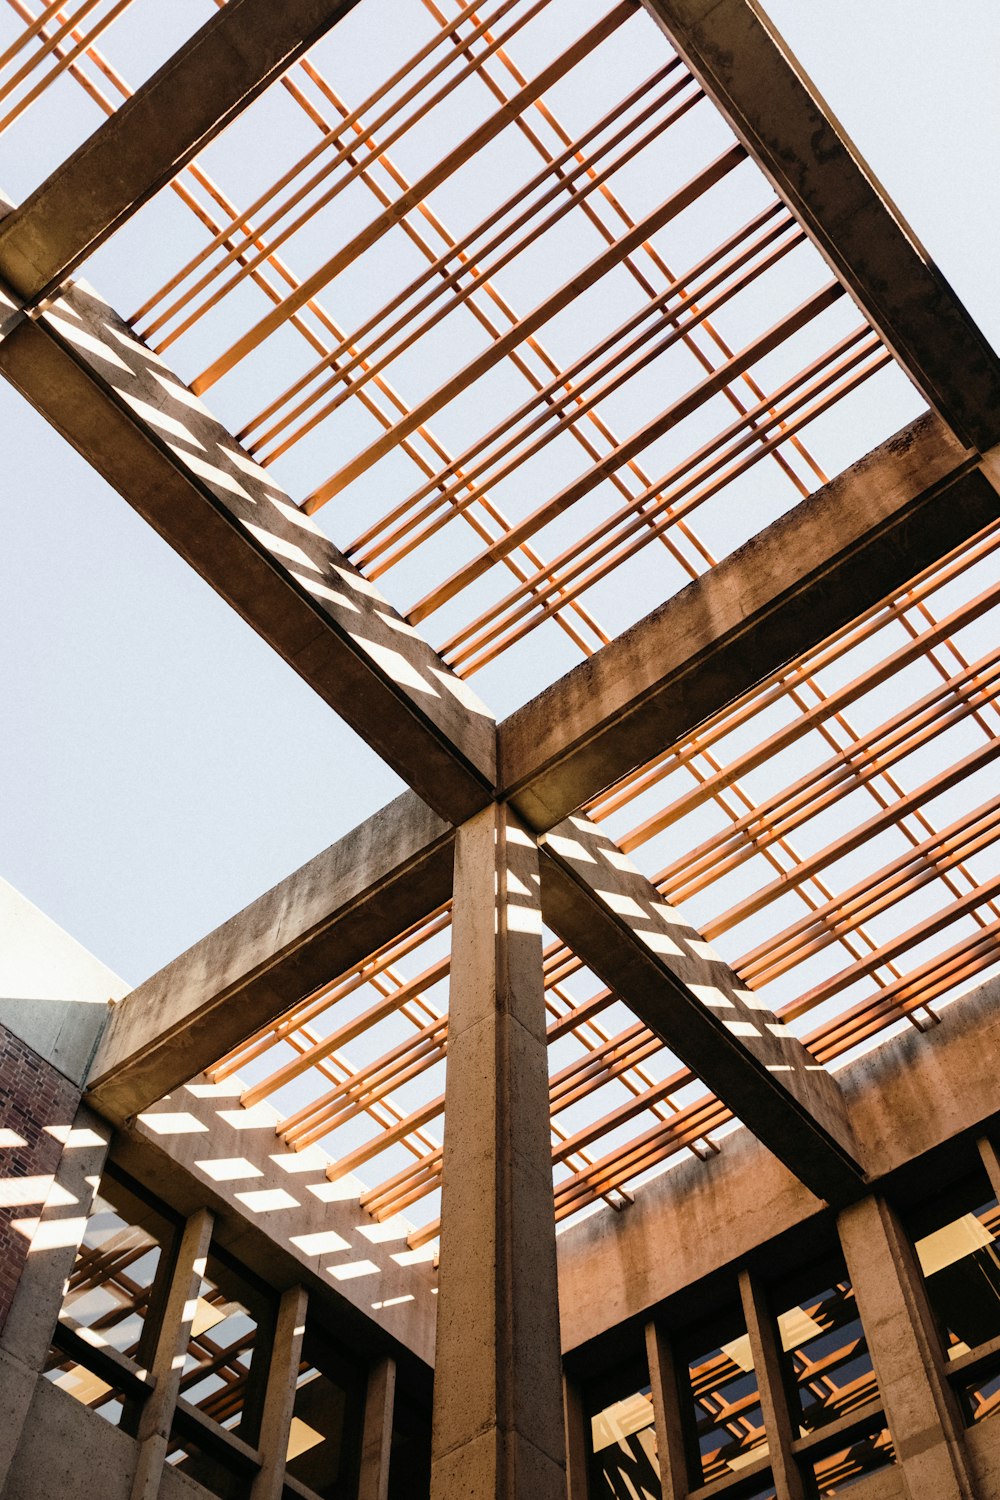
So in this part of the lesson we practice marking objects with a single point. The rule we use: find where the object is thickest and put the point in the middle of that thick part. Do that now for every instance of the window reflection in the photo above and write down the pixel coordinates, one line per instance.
(727, 1425)
(854, 1460)
(108, 1295)
(112, 1298)
(223, 1375)
(90, 1389)
(981, 1396)
(828, 1366)
(956, 1244)
(622, 1436)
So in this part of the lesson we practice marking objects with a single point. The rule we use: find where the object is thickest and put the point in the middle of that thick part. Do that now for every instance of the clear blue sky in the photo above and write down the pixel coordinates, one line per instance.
(160, 767)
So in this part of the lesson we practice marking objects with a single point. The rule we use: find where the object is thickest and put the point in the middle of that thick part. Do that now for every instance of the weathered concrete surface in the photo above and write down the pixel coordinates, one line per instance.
(17, 1390)
(498, 1410)
(279, 1398)
(838, 552)
(743, 65)
(275, 1210)
(52, 1231)
(170, 1354)
(155, 443)
(188, 102)
(54, 995)
(376, 1433)
(922, 1088)
(37, 1106)
(921, 1411)
(983, 1451)
(64, 1450)
(680, 1228)
(703, 1215)
(644, 950)
(358, 894)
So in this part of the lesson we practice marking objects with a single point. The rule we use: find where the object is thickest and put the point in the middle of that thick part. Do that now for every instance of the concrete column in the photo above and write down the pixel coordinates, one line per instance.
(498, 1418)
(770, 1382)
(376, 1432)
(27, 1333)
(920, 1408)
(670, 1448)
(991, 1162)
(279, 1397)
(577, 1441)
(168, 1360)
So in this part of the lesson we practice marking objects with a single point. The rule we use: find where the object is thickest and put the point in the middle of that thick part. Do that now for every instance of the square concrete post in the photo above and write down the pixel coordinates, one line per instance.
(778, 1424)
(27, 1333)
(991, 1162)
(920, 1408)
(168, 1360)
(663, 1384)
(498, 1413)
(577, 1444)
(279, 1397)
(376, 1431)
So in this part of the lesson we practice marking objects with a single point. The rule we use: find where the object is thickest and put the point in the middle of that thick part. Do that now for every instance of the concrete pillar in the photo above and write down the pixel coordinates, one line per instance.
(670, 1447)
(778, 1425)
(279, 1397)
(27, 1332)
(168, 1360)
(498, 1417)
(577, 1441)
(991, 1162)
(376, 1432)
(920, 1408)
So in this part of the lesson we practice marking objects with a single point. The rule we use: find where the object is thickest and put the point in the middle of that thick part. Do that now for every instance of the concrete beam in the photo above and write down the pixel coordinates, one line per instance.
(744, 66)
(842, 550)
(743, 1198)
(144, 432)
(617, 922)
(358, 894)
(173, 116)
(273, 1211)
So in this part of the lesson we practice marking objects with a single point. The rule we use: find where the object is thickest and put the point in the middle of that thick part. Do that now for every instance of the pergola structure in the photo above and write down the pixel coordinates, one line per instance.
(620, 325)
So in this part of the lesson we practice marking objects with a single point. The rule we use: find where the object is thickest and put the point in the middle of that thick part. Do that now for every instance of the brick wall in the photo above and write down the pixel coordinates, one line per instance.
(33, 1095)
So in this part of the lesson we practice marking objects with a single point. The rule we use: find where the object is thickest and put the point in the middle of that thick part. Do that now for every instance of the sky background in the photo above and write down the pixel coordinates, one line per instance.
(160, 767)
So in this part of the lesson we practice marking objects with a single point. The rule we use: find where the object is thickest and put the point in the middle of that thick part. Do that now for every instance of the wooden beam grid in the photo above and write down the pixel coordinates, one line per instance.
(765, 829)
(357, 1065)
(621, 1104)
(573, 181)
(53, 39)
(281, 1058)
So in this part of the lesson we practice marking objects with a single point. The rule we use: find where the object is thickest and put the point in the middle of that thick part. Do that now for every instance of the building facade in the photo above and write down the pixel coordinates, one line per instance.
(616, 1112)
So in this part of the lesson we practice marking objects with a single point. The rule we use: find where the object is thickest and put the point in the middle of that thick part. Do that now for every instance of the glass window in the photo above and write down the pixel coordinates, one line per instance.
(622, 1434)
(326, 1418)
(828, 1368)
(846, 1464)
(725, 1426)
(225, 1368)
(105, 1397)
(109, 1295)
(112, 1298)
(956, 1244)
(980, 1395)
